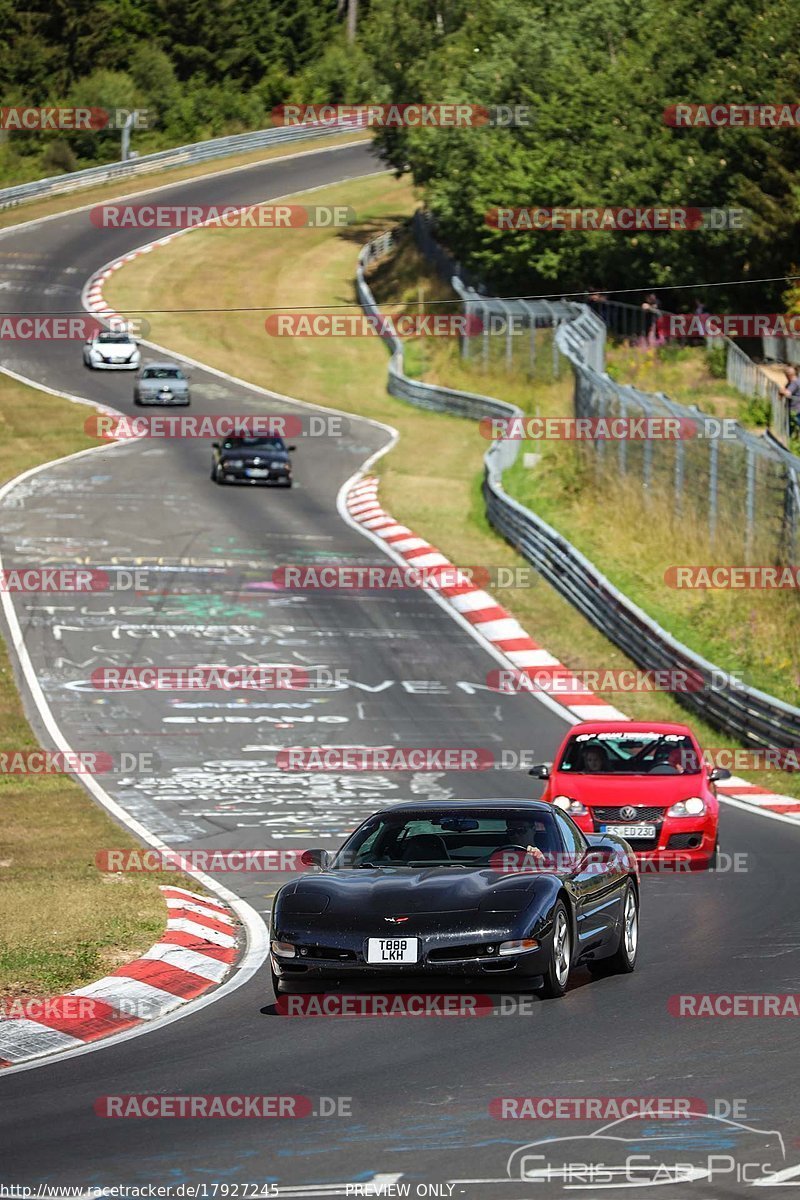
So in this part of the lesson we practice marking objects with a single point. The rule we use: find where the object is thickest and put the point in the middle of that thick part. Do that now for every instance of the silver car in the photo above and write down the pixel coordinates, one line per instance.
(161, 383)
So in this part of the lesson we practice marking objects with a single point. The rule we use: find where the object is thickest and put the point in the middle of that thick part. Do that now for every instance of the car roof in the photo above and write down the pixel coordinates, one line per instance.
(630, 727)
(176, 366)
(424, 806)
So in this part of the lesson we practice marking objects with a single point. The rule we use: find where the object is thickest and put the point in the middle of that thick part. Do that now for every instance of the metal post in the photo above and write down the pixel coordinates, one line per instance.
(466, 336)
(647, 463)
(678, 477)
(622, 444)
(751, 499)
(532, 348)
(485, 336)
(713, 479)
(556, 364)
(125, 150)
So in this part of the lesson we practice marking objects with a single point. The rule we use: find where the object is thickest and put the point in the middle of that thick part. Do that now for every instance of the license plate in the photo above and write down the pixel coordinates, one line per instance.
(256, 472)
(630, 831)
(392, 950)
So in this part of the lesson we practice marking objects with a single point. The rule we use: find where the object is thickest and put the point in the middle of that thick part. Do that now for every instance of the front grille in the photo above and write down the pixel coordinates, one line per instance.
(644, 813)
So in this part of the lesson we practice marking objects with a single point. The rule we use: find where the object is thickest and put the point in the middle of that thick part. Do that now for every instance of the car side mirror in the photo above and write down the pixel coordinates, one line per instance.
(290, 448)
(314, 858)
(215, 445)
(540, 771)
(717, 774)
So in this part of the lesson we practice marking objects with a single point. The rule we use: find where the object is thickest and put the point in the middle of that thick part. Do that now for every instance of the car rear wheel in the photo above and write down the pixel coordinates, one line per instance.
(623, 960)
(557, 973)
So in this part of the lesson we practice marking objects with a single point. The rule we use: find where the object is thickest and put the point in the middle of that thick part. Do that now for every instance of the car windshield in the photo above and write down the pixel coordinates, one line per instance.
(446, 839)
(117, 338)
(253, 443)
(162, 373)
(625, 752)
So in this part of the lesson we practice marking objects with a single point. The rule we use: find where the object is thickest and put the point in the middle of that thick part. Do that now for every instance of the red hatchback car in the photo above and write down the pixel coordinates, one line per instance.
(644, 781)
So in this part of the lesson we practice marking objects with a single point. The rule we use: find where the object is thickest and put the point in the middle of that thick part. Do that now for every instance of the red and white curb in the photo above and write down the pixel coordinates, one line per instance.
(504, 632)
(197, 951)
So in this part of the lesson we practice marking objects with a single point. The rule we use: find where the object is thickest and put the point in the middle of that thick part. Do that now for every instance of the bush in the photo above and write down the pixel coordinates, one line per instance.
(717, 361)
(59, 158)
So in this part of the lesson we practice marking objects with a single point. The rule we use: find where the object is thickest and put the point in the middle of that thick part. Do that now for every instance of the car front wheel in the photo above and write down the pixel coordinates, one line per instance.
(623, 960)
(557, 973)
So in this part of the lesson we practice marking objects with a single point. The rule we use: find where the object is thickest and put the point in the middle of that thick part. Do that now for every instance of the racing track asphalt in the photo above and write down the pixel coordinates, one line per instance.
(420, 1088)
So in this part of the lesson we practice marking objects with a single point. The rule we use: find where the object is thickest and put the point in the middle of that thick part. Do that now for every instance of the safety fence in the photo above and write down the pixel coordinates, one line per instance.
(194, 152)
(751, 715)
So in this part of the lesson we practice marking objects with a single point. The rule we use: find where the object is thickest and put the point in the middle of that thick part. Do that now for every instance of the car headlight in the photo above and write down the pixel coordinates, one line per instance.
(573, 807)
(279, 466)
(283, 949)
(695, 806)
(233, 462)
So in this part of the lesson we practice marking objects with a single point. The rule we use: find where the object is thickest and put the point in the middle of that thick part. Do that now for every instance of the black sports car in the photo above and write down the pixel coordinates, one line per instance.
(252, 460)
(485, 889)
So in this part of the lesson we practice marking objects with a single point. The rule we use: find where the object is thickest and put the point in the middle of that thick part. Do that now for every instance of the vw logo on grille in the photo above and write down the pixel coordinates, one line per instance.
(628, 812)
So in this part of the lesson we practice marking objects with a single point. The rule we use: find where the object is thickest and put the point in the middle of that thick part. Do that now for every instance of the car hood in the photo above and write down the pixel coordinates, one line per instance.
(114, 347)
(261, 455)
(615, 790)
(390, 892)
(155, 385)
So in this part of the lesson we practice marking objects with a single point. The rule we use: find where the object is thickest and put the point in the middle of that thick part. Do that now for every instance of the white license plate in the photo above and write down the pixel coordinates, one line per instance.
(630, 831)
(392, 950)
(256, 472)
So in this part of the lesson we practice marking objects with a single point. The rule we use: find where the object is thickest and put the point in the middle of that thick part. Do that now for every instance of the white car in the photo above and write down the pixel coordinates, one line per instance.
(112, 350)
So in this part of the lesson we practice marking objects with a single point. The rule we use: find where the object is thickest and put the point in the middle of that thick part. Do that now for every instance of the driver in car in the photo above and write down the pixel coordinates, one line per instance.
(523, 834)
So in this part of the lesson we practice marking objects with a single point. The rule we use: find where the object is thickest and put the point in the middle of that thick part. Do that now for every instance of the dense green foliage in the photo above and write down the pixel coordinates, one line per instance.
(597, 77)
(199, 67)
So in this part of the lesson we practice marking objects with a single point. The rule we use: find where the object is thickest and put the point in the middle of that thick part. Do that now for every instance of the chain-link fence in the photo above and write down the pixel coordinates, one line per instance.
(755, 717)
(742, 487)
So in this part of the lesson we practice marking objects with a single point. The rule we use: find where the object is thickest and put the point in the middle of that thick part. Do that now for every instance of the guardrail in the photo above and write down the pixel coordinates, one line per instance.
(193, 152)
(753, 716)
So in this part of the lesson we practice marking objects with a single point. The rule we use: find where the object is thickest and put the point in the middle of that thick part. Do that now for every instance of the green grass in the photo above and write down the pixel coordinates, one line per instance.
(64, 922)
(438, 493)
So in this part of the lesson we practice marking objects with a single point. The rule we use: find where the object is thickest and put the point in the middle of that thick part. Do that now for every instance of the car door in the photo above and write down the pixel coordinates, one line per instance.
(597, 889)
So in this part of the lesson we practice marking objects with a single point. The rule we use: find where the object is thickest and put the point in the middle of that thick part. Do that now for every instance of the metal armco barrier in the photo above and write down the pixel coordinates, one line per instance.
(752, 716)
(194, 152)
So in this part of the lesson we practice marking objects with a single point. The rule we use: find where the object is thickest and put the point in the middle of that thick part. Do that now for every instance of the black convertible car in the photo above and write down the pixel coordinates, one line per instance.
(464, 889)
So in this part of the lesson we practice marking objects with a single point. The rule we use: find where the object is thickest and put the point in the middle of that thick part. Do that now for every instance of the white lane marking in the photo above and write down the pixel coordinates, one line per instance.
(188, 960)
(202, 909)
(132, 996)
(184, 925)
(21, 1037)
(472, 602)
